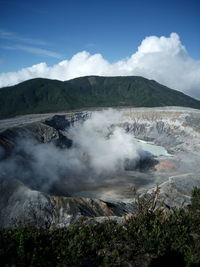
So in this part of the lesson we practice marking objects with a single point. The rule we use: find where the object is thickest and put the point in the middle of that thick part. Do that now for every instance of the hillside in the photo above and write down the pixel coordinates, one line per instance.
(44, 95)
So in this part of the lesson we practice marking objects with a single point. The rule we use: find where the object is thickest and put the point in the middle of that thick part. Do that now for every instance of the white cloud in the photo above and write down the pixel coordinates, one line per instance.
(163, 59)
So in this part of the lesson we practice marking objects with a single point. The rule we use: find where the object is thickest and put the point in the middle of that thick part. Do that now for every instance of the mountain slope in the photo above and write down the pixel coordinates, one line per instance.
(44, 95)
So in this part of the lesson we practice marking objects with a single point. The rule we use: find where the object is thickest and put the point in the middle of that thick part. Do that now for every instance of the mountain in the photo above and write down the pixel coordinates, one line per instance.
(45, 95)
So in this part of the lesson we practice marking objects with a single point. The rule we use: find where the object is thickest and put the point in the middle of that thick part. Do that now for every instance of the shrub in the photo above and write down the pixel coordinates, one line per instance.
(151, 236)
(195, 200)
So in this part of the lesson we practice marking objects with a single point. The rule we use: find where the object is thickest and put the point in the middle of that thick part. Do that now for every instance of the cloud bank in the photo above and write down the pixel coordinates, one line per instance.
(164, 59)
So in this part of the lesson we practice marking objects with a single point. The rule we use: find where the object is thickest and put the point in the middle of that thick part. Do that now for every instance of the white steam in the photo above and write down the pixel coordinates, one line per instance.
(105, 145)
(163, 59)
(100, 148)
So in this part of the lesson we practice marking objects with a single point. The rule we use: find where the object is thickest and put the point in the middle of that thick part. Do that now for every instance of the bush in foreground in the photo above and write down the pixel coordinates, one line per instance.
(151, 237)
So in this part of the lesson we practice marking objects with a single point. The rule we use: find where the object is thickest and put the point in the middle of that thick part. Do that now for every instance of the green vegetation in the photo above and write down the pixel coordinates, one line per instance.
(43, 95)
(196, 197)
(150, 237)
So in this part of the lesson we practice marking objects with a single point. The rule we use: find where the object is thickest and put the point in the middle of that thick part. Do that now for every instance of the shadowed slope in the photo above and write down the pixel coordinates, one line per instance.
(44, 95)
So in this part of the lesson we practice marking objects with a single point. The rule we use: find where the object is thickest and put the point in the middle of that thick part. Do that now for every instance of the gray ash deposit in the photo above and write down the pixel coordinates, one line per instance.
(76, 157)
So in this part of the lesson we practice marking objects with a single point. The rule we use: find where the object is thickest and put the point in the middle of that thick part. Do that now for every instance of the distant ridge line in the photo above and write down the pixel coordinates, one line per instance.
(41, 95)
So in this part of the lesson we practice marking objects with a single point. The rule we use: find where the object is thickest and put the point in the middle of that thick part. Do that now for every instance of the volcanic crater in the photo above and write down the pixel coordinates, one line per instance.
(93, 158)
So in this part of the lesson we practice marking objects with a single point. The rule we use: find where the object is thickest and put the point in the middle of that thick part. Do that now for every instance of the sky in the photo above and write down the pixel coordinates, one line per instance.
(63, 39)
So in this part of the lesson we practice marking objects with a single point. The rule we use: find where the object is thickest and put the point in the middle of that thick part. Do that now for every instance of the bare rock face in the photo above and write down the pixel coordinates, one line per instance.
(62, 122)
(15, 200)
(70, 209)
(42, 128)
(177, 190)
(42, 132)
(19, 204)
(176, 129)
(59, 122)
(38, 132)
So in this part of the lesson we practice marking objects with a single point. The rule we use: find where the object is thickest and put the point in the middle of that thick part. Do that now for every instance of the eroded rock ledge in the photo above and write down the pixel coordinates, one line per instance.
(177, 129)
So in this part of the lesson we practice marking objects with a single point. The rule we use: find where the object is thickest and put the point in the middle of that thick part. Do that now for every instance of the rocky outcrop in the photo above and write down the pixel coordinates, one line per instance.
(62, 122)
(19, 204)
(70, 209)
(15, 200)
(39, 132)
(177, 129)
(177, 190)
(43, 129)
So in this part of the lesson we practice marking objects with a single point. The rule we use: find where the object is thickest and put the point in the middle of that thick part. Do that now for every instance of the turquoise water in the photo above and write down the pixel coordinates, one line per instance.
(157, 151)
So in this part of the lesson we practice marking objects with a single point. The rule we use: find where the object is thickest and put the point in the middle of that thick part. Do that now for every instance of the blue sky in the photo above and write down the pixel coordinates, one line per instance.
(156, 39)
(50, 31)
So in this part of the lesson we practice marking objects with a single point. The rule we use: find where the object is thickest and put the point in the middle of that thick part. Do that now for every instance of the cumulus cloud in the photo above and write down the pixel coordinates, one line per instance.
(164, 59)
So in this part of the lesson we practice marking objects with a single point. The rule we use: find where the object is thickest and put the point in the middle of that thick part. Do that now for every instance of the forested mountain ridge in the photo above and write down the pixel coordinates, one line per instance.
(44, 95)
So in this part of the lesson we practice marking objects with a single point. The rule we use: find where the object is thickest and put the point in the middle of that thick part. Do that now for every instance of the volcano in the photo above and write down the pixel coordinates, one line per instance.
(84, 163)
